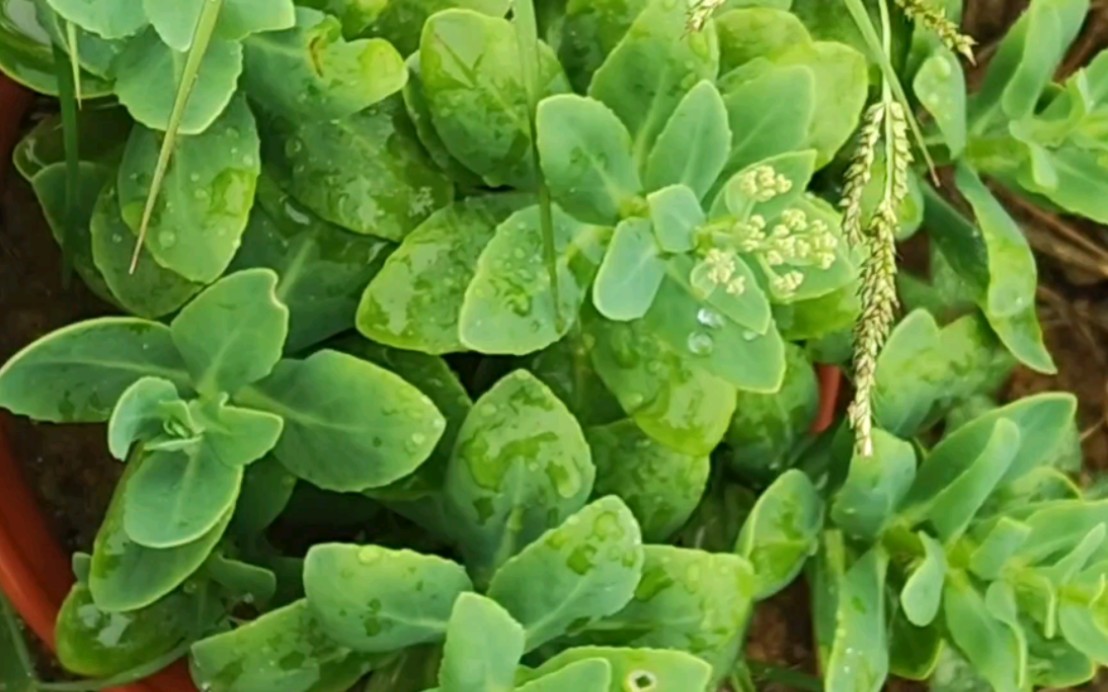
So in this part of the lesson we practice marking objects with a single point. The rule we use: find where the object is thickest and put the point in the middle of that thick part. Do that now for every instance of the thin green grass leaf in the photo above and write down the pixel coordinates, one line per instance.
(527, 35)
(67, 97)
(74, 59)
(205, 28)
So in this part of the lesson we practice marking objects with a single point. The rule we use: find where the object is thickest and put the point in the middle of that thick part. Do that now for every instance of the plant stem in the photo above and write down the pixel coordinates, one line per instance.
(205, 27)
(67, 97)
(527, 36)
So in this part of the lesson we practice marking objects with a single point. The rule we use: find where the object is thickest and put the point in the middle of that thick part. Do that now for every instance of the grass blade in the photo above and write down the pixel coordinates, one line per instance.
(202, 37)
(74, 58)
(67, 98)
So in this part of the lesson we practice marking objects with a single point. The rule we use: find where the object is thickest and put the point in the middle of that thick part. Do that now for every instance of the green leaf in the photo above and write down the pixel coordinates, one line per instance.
(1026, 60)
(674, 402)
(1083, 628)
(74, 236)
(586, 158)
(474, 85)
(1041, 421)
(126, 576)
(480, 664)
(375, 600)
(963, 246)
(767, 428)
(520, 466)
(175, 22)
(1074, 190)
(645, 77)
(107, 18)
(1000, 544)
(692, 149)
(146, 61)
(286, 649)
(990, 646)
(661, 486)
(205, 200)
(232, 334)
(1012, 272)
(859, 658)
(241, 18)
(590, 31)
(769, 115)
(138, 415)
(588, 675)
(914, 652)
(794, 168)
(951, 507)
(76, 374)
(176, 498)
(415, 300)
(241, 582)
(867, 502)
(750, 33)
(841, 90)
(689, 600)
(366, 173)
(151, 290)
(923, 591)
(401, 21)
(234, 436)
(940, 85)
(675, 215)
(781, 532)
(95, 643)
(310, 72)
(636, 669)
(738, 344)
(322, 268)
(509, 306)
(631, 273)
(589, 567)
(349, 425)
(905, 392)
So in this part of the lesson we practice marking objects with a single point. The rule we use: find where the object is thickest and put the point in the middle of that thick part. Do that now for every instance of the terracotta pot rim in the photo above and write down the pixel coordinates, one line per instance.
(35, 574)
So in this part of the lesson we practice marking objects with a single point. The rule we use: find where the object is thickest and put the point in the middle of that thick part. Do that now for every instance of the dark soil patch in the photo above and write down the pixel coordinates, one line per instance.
(67, 466)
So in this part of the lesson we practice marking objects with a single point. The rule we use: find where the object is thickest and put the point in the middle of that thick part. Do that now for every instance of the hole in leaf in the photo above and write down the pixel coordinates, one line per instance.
(641, 680)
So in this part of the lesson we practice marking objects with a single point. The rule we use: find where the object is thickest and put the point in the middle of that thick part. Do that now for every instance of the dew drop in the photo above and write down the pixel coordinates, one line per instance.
(749, 335)
(700, 344)
(167, 239)
(709, 318)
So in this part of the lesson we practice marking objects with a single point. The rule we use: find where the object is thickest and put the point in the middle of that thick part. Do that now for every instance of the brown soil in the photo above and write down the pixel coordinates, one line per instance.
(68, 466)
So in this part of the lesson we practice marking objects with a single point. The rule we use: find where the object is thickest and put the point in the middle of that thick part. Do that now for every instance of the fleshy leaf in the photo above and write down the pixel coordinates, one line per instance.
(589, 567)
(781, 532)
(474, 85)
(874, 487)
(415, 300)
(323, 269)
(769, 115)
(126, 576)
(487, 663)
(693, 147)
(175, 498)
(349, 425)
(366, 173)
(256, 655)
(146, 61)
(689, 600)
(649, 72)
(940, 85)
(373, 599)
(107, 18)
(152, 290)
(510, 306)
(586, 158)
(631, 273)
(661, 486)
(137, 415)
(923, 591)
(76, 374)
(232, 334)
(310, 71)
(674, 402)
(206, 196)
(637, 669)
(520, 466)
(675, 214)
(859, 656)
